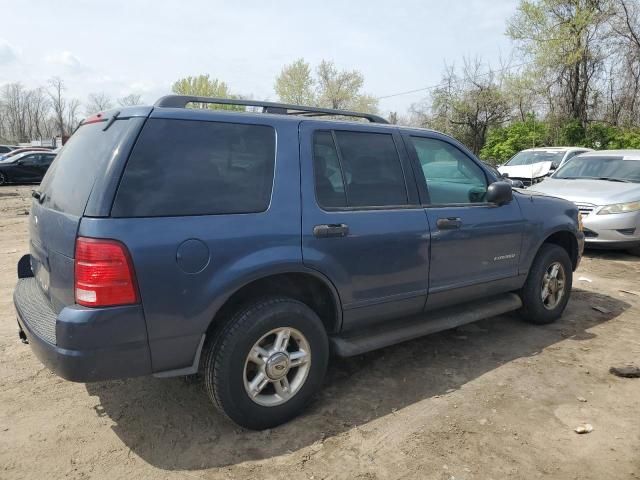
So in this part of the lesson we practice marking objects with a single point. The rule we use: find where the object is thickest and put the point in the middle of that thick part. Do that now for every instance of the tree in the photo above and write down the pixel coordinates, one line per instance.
(14, 102)
(204, 86)
(130, 100)
(56, 89)
(295, 84)
(65, 112)
(342, 89)
(98, 102)
(466, 105)
(564, 39)
(504, 142)
(623, 86)
(329, 88)
(37, 112)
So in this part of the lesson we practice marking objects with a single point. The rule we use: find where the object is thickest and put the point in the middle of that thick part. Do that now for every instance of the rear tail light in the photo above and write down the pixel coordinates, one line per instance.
(104, 274)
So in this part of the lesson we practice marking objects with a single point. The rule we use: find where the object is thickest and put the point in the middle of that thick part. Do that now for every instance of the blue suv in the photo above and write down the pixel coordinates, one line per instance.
(248, 246)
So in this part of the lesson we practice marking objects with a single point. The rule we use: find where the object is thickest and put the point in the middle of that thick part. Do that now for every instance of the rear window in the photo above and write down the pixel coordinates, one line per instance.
(68, 182)
(187, 167)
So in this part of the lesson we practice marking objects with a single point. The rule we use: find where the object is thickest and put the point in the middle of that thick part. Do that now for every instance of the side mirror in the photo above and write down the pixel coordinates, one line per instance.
(499, 193)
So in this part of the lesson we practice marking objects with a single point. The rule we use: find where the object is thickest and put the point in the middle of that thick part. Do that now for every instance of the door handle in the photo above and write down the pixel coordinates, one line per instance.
(449, 223)
(331, 230)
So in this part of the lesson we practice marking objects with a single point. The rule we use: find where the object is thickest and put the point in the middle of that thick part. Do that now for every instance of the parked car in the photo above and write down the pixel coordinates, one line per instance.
(18, 151)
(514, 182)
(6, 149)
(605, 185)
(246, 246)
(534, 164)
(26, 167)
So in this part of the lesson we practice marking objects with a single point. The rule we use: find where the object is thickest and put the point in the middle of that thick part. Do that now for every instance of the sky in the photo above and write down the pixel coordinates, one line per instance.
(143, 46)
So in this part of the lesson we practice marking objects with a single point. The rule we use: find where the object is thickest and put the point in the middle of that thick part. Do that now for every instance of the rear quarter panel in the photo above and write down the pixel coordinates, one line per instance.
(179, 306)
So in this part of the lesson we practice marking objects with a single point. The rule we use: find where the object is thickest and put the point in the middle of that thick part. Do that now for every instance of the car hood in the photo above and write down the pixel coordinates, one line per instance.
(596, 192)
(534, 170)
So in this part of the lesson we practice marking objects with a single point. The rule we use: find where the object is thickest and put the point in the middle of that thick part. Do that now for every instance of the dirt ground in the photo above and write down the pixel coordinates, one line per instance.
(499, 399)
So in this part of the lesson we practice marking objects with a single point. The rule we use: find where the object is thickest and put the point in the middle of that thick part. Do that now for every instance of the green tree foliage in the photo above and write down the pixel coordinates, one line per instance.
(625, 139)
(295, 84)
(330, 87)
(204, 86)
(565, 40)
(505, 142)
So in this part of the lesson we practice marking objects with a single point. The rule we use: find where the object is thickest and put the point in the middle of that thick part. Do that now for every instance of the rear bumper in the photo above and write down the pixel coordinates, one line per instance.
(83, 344)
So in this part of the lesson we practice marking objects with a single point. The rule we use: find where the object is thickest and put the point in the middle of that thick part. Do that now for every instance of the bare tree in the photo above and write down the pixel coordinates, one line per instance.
(37, 110)
(71, 119)
(623, 82)
(14, 100)
(130, 100)
(466, 104)
(98, 102)
(58, 104)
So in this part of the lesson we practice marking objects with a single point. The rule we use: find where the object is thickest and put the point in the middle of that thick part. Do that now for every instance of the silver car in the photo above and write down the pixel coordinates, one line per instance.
(605, 185)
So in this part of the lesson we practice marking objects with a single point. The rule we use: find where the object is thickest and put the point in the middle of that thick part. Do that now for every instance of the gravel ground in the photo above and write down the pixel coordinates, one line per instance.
(498, 399)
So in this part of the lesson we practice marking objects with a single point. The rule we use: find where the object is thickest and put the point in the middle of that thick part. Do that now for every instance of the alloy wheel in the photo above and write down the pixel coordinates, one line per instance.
(553, 285)
(277, 366)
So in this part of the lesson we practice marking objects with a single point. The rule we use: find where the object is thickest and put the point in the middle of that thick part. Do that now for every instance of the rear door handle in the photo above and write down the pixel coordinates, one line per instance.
(449, 223)
(331, 230)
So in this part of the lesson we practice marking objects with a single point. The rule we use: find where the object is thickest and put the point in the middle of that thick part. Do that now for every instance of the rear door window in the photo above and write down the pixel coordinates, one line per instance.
(187, 167)
(367, 163)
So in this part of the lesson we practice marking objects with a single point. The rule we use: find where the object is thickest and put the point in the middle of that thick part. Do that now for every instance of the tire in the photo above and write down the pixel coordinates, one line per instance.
(3, 179)
(534, 308)
(230, 374)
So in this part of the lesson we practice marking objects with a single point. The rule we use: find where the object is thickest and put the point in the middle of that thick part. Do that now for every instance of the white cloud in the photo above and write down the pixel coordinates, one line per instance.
(8, 53)
(67, 60)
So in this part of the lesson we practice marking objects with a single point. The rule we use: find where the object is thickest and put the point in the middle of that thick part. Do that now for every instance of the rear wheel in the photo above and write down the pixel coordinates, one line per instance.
(548, 286)
(267, 362)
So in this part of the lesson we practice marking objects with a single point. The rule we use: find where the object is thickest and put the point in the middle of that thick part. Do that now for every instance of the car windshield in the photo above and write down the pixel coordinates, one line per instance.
(601, 168)
(536, 156)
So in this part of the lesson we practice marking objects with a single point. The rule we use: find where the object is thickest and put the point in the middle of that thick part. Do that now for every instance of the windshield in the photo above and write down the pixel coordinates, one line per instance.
(531, 157)
(601, 168)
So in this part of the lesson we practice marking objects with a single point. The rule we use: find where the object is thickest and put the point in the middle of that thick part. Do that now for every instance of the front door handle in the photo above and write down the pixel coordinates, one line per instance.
(449, 223)
(331, 230)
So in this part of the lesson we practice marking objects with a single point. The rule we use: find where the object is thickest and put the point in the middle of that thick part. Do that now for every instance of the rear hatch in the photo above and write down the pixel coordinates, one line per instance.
(91, 161)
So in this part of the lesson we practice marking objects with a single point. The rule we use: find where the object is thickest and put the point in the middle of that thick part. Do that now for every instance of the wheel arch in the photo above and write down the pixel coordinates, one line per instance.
(565, 239)
(303, 284)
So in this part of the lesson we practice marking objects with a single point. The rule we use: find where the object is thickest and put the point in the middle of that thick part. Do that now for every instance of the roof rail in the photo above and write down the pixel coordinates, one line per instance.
(181, 101)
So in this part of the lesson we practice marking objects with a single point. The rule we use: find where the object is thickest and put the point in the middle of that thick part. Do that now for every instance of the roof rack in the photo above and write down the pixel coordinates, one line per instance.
(181, 101)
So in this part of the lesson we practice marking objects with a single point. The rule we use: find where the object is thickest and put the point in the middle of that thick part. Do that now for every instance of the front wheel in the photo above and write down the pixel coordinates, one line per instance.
(548, 287)
(3, 178)
(267, 362)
